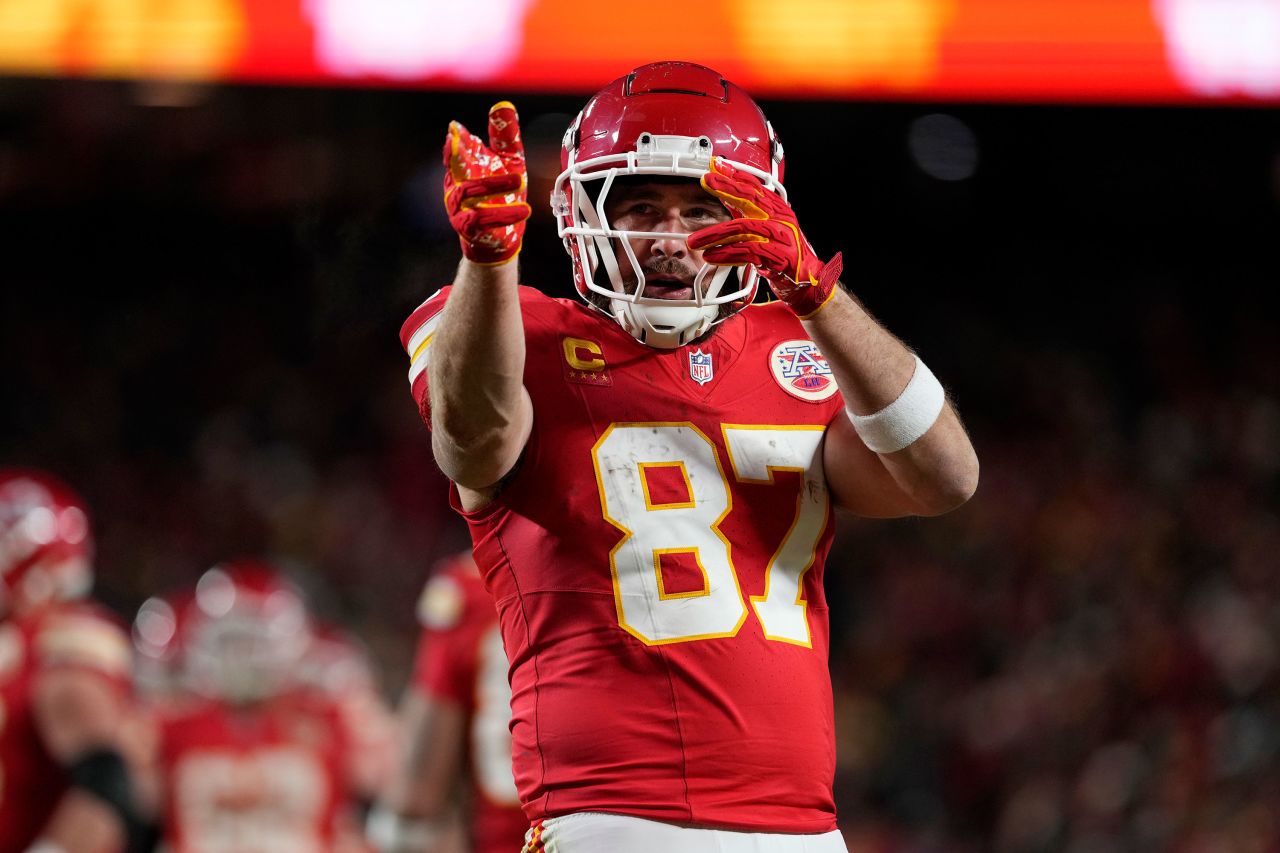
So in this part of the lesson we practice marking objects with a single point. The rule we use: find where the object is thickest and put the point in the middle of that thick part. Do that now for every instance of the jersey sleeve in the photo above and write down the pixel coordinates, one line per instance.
(83, 640)
(539, 315)
(416, 335)
(446, 658)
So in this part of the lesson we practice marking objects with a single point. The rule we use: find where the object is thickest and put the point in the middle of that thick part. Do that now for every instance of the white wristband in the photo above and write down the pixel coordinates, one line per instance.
(390, 832)
(905, 419)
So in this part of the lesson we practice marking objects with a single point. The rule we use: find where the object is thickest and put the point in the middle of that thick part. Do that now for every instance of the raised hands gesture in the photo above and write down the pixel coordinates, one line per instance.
(485, 189)
(764, 232)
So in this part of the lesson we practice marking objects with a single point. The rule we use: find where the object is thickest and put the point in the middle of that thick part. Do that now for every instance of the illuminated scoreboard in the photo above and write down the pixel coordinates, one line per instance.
(1005, 50)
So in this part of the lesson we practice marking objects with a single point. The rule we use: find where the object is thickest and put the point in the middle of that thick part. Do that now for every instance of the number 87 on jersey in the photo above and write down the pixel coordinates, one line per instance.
(664, 487)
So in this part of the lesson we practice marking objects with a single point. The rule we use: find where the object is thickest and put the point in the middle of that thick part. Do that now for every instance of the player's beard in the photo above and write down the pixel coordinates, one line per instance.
(661, 266)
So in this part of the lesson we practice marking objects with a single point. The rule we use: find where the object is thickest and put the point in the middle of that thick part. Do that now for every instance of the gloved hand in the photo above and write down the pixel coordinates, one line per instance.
(764, 232)
(485, 190)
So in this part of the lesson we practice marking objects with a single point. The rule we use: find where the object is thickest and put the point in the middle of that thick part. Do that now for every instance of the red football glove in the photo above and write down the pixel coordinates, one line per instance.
(485, 190)
(764, 232)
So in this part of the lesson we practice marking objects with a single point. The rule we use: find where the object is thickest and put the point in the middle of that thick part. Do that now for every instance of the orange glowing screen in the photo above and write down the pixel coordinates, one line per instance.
(1030, 50)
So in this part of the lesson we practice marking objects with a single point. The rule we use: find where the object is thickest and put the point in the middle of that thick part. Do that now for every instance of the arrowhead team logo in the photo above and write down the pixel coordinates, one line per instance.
(700, 368)
(801, 371)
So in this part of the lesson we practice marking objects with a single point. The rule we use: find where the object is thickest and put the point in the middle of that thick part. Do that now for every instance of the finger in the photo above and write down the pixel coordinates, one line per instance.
(504, 135)
(490, 185)
(726, 181)
(486, 217)
(726, 238)
(731, 255)
(473, 223)
(732, 231)
(459, 151)
(721, 166)
(763, 255)
(728, 172)
(734, 185)
(739, 197)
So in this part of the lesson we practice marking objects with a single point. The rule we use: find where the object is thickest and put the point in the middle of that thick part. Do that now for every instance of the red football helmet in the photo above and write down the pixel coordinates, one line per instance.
(46, 548)
(662, 119)
(243, 633)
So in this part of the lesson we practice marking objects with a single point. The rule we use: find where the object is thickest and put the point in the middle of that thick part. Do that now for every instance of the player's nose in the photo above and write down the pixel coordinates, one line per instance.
(672, 246)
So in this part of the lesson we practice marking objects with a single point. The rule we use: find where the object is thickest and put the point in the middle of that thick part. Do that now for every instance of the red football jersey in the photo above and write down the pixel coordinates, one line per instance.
(656, 561)
(76, 635)
(260, 779)
(460, 660)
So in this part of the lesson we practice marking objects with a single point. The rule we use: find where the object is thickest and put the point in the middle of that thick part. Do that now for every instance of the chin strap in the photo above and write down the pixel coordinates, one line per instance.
(636, 321)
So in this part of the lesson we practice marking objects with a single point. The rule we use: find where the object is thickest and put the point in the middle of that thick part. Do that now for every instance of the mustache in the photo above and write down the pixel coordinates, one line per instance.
(669, 266)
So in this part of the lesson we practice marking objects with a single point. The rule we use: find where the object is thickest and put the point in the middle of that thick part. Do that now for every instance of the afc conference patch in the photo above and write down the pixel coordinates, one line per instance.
(700, 368)
(801, 371)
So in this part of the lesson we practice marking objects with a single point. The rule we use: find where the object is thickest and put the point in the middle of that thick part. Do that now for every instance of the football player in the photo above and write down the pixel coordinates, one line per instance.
(338, 665)
(649, 477)
(65, 704)
(250, 755)
(455, 723)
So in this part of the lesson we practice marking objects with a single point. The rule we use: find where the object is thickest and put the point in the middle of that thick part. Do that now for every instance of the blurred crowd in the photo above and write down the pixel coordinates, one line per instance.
(1084, 658)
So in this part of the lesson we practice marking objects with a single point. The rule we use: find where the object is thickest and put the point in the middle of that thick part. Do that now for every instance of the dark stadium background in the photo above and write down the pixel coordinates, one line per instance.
(200, 294)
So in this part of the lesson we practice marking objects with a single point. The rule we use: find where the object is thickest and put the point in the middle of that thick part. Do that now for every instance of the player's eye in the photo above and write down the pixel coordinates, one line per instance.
(706, 214)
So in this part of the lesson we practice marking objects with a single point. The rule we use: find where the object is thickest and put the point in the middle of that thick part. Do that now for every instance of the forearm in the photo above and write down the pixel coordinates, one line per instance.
(418, 807)
(83, 824)
(480, 412)
(870, 365)
(937, 471)
(83, 720)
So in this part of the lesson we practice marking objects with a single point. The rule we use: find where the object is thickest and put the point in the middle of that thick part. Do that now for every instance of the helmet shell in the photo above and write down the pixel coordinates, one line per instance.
(243, 633)
(46, 544)
(674, 99)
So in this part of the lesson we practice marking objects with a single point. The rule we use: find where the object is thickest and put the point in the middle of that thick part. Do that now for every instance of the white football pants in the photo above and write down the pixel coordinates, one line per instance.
(591, 832)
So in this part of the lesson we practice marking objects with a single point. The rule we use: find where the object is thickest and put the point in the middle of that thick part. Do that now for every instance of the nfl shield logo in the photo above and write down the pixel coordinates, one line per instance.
(700, 369)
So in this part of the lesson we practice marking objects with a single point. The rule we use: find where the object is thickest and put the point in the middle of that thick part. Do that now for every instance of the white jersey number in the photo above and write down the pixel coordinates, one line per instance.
(689, 526)
(490, 727)
(270, 800)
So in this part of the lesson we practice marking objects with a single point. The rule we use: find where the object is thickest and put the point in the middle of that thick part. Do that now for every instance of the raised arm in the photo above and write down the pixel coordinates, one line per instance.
(480, 412)
(902, 449)
(82, 713)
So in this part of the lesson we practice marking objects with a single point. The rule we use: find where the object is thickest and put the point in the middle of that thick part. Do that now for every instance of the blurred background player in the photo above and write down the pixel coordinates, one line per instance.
(455, 724)
(64, 681)
(337, 664)
(251, 753)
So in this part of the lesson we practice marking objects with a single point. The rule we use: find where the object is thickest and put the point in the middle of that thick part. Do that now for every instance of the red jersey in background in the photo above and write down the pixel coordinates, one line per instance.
(263, 778)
